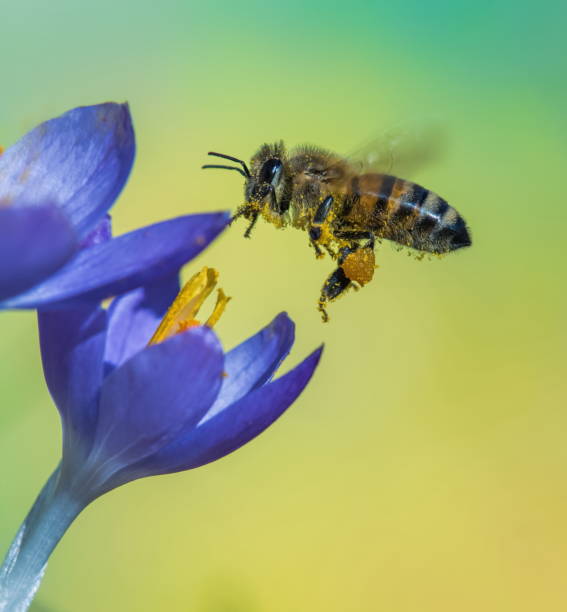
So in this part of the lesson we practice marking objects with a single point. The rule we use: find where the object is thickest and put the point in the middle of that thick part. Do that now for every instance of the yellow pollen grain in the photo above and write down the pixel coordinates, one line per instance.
(181, 315)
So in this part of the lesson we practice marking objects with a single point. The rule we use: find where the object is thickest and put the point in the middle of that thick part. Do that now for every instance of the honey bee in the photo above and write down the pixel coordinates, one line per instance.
(343, 210)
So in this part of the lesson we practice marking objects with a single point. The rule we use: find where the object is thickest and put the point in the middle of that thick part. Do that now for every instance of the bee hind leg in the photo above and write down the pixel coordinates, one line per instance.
(347, 235)
(356, 268)
(336, 283)
(358, 262)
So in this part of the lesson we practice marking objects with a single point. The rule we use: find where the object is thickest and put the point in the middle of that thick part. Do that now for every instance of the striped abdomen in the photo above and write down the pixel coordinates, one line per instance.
(406, 213)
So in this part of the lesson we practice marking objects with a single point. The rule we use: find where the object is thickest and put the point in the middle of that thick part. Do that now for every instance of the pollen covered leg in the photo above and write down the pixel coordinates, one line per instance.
(251, 226)
(356, 268)
(358, 263)
(353, 235)
(335, 284)
(239, 213)
(319, 231)
(248, 211)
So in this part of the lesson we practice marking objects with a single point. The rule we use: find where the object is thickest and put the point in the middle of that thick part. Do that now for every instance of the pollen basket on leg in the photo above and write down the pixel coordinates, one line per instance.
(359, 266)
(181, 315)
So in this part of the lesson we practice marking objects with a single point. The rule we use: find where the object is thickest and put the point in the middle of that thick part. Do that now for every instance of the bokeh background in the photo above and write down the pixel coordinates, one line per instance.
(425, 467)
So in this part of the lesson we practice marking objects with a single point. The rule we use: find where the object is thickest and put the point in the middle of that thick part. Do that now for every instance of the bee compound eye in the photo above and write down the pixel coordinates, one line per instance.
(315, 233)
(270, 171)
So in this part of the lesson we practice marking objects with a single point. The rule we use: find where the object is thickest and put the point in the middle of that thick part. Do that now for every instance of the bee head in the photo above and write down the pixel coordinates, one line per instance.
(270, 181)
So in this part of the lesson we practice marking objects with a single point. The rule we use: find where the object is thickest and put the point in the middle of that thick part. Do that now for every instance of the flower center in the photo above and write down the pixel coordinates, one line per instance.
(181, 314)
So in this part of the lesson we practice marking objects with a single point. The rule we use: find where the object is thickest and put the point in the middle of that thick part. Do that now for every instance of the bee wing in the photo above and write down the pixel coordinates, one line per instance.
(401, 150)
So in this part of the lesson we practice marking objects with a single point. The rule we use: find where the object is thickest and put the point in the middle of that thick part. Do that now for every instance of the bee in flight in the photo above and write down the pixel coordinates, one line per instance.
(343, 210)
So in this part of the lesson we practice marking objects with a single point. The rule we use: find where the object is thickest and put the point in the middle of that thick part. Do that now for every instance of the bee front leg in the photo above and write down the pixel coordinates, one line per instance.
(251, 225)
(239, 213)
(248, 211)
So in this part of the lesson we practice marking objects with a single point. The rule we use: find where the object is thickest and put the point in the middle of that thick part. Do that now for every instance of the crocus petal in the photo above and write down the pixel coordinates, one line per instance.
(135, 316)
(146, 401)
(34, 243)
(126, 262)
(252, 363)
(79, 161)
(231, 428)
(72, 348)
(102, 232)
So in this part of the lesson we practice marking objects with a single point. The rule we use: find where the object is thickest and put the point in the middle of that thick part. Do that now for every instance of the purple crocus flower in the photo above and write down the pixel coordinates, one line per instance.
(139, 398)
(57, 184)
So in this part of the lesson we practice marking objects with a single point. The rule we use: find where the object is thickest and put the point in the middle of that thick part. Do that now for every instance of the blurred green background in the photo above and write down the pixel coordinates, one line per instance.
(425, 467)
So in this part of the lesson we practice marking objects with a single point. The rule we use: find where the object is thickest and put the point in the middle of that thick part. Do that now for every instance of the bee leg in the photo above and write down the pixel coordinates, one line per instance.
(371, 242)
(245, 210)
(314, 235)
(358, 263)
(323, 210)
(346, 251)
(319, 218)
(331, 252)
(236, 216)
(274, 200)
(323, 311)
(318, 251)
(252, 224)
(346, 235)
(335, 284)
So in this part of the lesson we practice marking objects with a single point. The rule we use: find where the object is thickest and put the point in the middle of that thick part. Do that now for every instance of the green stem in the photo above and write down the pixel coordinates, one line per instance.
(49, 518)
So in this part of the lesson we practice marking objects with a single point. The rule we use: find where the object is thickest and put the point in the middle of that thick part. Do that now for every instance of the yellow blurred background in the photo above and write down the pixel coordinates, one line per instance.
(424, 469)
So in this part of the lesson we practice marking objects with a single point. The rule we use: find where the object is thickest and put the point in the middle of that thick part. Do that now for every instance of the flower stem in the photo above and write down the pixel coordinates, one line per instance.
(49, 518)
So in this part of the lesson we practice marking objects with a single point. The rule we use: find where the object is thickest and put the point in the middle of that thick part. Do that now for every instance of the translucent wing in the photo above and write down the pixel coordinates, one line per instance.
(401, 150)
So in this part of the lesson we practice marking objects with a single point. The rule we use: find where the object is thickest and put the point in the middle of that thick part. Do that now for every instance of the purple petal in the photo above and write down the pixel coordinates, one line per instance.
(146, 401)
(79, 161)
(34, 243)
(233, 427)
(135, 316)
(101, 233)
(132, 260)
(72, 348)
(252, 363)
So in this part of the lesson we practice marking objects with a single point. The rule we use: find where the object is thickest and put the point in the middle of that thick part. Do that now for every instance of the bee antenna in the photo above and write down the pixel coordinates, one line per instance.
(234, 159)
(240, 170)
